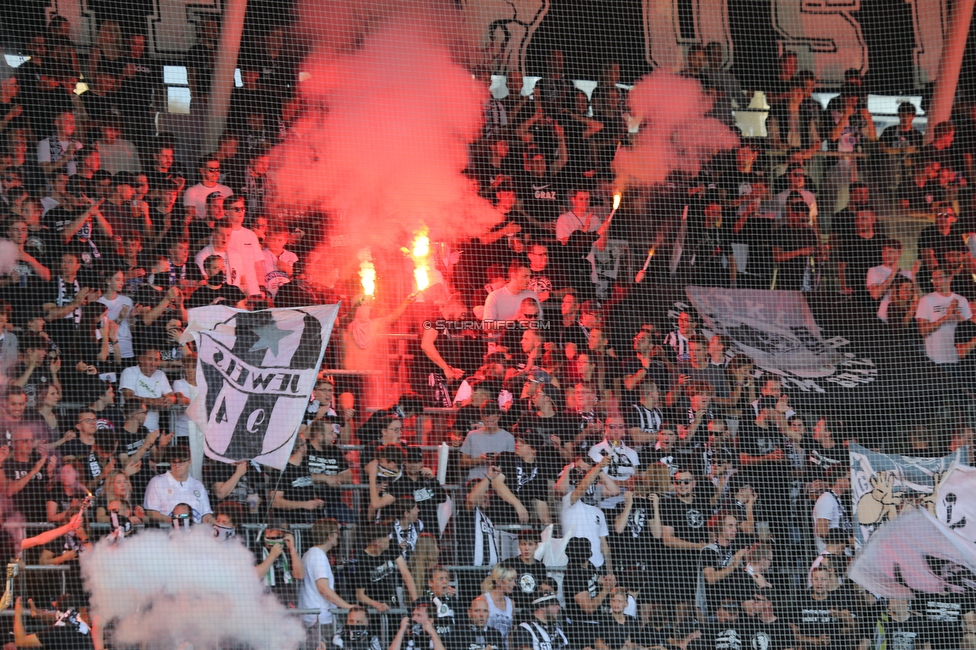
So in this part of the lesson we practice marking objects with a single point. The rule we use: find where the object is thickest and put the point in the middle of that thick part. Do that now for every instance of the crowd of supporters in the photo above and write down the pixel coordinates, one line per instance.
(703, 507)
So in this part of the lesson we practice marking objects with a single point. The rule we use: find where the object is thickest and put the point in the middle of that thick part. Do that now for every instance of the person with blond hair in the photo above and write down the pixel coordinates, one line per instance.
(498, 587)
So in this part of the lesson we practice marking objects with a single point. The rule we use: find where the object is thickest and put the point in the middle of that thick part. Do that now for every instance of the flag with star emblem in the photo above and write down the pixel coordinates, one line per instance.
(255, 373)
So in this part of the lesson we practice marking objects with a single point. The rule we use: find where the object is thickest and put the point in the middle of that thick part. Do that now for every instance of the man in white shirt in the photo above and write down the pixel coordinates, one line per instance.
(176, 486)
(217, 246)
(243, 244)
(195, 198)
(580, 217)
(937, 316)
(503, 304)
(798, 180)
(578, 485)
(148, 383)
(58, 151)
(623, 459)
(117, 153)
(317, 591)
(830, 512)
(881, 278)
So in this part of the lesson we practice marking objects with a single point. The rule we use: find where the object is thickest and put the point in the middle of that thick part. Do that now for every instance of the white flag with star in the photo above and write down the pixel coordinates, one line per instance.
(255, 373)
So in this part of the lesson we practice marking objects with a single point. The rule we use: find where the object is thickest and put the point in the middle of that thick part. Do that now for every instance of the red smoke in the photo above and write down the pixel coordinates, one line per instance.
(675, 133)
(386, 134)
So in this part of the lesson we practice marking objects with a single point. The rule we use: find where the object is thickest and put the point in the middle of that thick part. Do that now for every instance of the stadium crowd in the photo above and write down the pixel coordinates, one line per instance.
(705, 506)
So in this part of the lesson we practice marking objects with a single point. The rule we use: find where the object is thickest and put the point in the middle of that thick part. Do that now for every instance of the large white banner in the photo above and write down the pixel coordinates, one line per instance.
(884, 485)
(255, 373)
(775, 328)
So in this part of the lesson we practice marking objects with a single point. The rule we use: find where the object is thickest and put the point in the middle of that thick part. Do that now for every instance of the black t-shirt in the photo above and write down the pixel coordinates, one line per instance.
(944, 613)
(90, 462)
(548, 458)
(428, 494)
(732, 635)
(941, 244)
(822, 462)
(204, 296)
(716, 557)
(62, 499)
(894, 138)
(814, 619)
(296, 485)
(467, 637)
(253, 481)
(580, 579)
(690, 523)
(520, 637)
(756, 441)
(758, 235)
(527, 581)
(67, 634)
(777, 635)
(860, 255)
(541, 197)
(920, 199)
(613, 634)
(330, 462)
(910, 634)
(791, 272)
(31, 501)
(379, 576)
(636, 545)
(37, 383)
(524, 480)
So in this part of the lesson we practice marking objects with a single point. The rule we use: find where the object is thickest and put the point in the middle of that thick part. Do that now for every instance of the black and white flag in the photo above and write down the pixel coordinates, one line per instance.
(255, 373)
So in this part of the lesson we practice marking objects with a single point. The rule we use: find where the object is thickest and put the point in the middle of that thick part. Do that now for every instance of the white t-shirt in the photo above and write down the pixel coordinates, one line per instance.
(622, 467)
(588, 522)
(827, 508)
(186, 389)
(165, 493)
(44, 154)
(940, 345)
(273, 278)
(808, 198)
(570, 222)
(196, 196)
(878, 275)
(119, 156)
(502, 304)
(125, 334)
(143, 386)
(243, 244)
(317, 567)
(234, 264)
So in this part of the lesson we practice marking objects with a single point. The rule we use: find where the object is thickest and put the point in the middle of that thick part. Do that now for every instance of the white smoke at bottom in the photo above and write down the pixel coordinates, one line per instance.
(164, 589)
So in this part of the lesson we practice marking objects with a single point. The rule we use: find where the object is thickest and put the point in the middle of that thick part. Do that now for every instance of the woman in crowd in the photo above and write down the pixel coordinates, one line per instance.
(498, 587)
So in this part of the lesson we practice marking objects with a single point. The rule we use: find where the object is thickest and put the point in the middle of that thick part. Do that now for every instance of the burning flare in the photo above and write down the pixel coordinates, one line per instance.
(367, 272)
(616, 199)
(420, 253)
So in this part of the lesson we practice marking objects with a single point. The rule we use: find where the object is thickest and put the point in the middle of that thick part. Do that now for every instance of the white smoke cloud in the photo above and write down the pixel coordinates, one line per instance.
(385, 135)
(675, 134)
(167, 588)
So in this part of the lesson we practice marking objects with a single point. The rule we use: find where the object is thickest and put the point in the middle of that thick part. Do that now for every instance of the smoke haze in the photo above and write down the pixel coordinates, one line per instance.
(389, 117)
(165, 588)
(675, 134)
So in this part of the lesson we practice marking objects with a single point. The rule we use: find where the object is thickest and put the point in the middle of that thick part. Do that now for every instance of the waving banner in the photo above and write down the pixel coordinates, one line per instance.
(255, 373)
(882, 485)
(775, 328)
